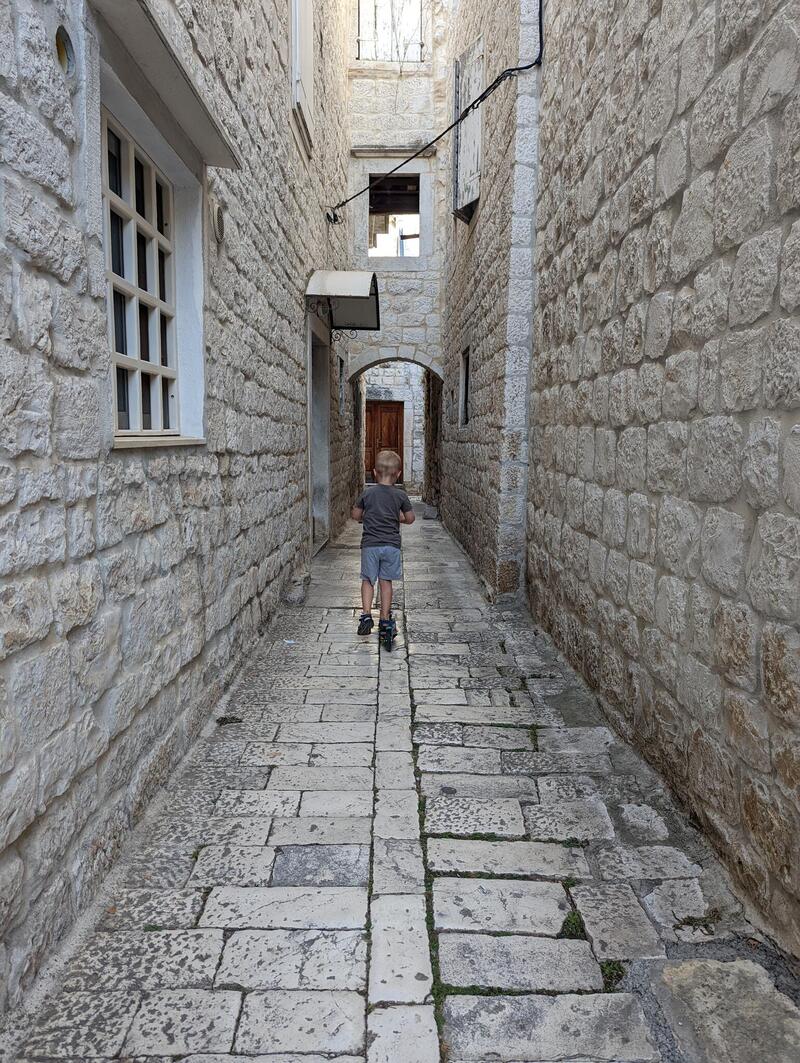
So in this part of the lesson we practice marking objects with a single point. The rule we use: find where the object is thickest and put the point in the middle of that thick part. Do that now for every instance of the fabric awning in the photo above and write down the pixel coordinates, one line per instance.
(351, 297)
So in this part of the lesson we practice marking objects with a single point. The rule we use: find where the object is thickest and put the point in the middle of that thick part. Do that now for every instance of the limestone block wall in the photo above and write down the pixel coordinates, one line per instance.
(394, 109)
(664, 506)
(131, 582)
(403, 382)
(489, 305)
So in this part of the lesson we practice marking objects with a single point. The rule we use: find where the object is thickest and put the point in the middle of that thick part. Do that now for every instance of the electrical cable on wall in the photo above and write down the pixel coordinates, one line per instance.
(332, 213)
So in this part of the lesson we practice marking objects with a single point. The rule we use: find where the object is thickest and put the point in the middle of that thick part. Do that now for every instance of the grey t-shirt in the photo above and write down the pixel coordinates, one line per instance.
(382, 505)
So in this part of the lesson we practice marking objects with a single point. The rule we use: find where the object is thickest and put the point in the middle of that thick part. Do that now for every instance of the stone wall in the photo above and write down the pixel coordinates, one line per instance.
(395, 108)
(489, 305)
(664, 506)
(134, 580)
(402, 382)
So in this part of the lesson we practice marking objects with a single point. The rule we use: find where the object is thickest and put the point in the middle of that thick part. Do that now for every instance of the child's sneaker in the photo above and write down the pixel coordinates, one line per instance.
(365, 624)
(387, 632)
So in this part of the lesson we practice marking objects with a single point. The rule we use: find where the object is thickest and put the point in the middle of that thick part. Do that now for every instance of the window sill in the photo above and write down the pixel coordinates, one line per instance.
(134, 442)
(369, 68)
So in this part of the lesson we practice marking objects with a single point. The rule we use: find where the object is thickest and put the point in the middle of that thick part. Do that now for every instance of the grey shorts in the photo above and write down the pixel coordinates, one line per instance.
(381, 562)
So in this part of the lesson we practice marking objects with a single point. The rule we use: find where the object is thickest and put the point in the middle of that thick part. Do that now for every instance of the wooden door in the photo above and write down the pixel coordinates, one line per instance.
(384, 431)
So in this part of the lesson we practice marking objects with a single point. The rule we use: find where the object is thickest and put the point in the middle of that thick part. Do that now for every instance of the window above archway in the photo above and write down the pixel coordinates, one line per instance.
(390, 31)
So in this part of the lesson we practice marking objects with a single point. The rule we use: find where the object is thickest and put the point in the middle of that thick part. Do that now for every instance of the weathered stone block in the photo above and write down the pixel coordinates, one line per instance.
(773, 567)
(714, 459)
(678, 536)
(761, 463)
(782, 365)
(755, 277)
(693, 234)
(744, 187)
(723, 549)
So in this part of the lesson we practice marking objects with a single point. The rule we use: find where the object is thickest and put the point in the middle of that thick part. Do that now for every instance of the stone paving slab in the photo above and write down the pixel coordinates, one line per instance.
(402, 1034)
(83, 1025)
(294, 959)
(535, 964)
(534, 859)
(470, 815)
(258, 803)
(499, 905)
(616, 924)
(287, 907)
(173, 1021)
(397, 814)
(234, 865)
(721, 1012)
(336, 803)
(646, 861)
(526, 1029)
(321, 779)
(175, 959)
(134, 909)
(321, 830)
(397, 866)
(585, 820)
(521, 787)
(321, 865)
(301, 1022)
(400, 965)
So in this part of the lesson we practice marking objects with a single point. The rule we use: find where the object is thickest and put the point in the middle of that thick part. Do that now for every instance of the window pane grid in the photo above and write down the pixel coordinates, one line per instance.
(140, 272)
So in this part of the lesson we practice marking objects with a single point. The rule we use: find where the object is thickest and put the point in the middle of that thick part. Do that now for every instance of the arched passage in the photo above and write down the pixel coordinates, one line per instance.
(366, 360)
(420, 414)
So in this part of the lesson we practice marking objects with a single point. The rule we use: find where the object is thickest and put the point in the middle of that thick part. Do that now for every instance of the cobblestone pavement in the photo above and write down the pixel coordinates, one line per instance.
(515, 886)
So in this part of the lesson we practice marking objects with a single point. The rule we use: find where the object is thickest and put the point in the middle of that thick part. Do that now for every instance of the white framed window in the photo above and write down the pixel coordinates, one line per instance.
(391, 31)
(140, 268)
(152, 204)
(303, 69)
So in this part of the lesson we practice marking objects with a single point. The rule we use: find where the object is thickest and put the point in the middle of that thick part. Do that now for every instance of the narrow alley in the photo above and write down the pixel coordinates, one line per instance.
(515, 885)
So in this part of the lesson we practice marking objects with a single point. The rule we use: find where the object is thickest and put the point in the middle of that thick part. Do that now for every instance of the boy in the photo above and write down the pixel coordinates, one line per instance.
(382, 509)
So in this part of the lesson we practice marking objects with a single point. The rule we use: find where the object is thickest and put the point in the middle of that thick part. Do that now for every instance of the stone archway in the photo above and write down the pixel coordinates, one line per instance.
(431, 396)
(367, 359)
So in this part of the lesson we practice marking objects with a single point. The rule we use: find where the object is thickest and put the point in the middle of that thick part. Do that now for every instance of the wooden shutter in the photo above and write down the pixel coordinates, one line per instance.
(303, 67)
(469, 75)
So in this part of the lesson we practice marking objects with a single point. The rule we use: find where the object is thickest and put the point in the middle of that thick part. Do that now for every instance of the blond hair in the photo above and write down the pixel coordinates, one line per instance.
(387, 463)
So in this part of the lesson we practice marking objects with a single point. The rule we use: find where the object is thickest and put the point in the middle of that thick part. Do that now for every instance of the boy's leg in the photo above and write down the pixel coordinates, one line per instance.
(386, 598)
(367, 594)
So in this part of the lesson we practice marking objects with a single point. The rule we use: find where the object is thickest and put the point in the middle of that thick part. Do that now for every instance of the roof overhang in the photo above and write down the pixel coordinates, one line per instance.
(136, 28)
(349, 296)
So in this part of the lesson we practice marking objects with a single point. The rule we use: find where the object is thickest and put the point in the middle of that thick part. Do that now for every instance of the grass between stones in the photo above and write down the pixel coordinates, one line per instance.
(573, 927)
(613, 972)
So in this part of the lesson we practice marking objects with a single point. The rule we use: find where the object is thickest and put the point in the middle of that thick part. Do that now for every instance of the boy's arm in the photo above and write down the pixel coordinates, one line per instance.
(357, 514)
(407, 514)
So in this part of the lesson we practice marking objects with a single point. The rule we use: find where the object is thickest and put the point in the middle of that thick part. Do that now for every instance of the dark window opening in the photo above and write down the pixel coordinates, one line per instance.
(141, 261)
(160, 213)
(139, 186)
(147, 407)
(117, 245)
(162, 276)
(144, 332)
(164, 340)
(394, 221)
(114, 163)
(165, 423)
(120, 324)
(123, 411)
(464, 412)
